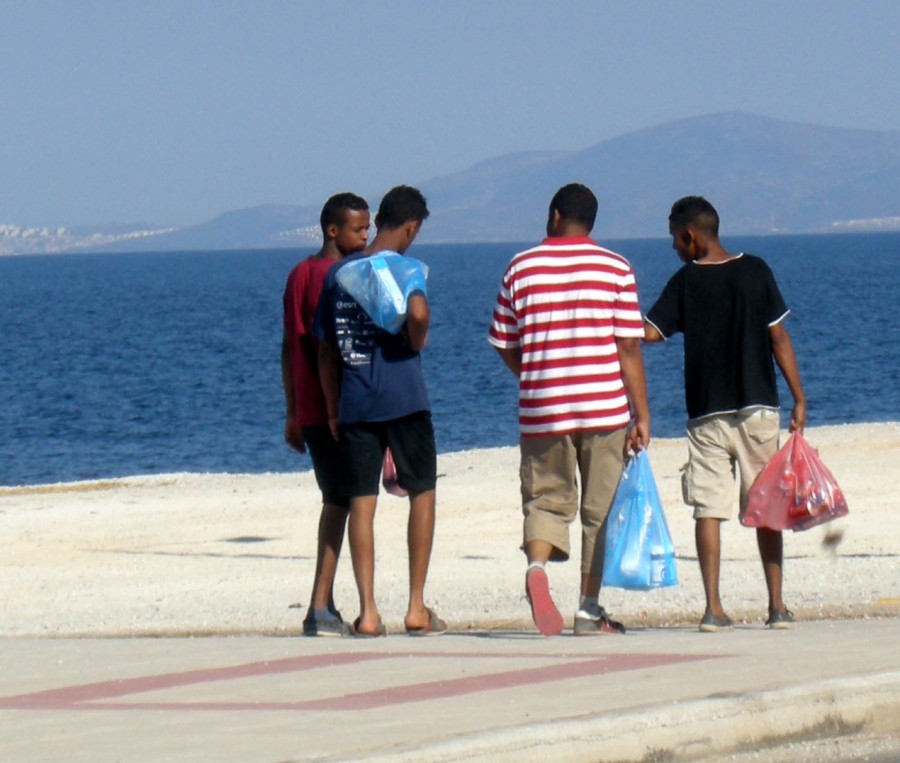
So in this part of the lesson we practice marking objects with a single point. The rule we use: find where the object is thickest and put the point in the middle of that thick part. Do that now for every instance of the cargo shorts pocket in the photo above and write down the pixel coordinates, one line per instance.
(763, 426)
(687, 485)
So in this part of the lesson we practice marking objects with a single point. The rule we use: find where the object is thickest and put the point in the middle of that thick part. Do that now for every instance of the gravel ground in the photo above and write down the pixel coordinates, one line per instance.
(195, 554)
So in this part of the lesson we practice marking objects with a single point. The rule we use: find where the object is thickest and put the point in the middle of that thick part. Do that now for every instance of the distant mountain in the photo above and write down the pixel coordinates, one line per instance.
(764, 175)
(270, 226)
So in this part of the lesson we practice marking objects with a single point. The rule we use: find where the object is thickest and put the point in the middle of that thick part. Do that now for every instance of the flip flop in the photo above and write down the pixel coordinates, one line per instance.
(379, 631)
(435, 626)
(544, 612)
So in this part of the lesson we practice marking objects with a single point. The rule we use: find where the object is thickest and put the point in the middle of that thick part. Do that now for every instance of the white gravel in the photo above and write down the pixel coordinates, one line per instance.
(195, 554)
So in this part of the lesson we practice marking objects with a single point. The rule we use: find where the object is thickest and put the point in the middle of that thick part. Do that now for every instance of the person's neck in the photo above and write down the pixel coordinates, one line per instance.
(571, 230)
(713, 253)
(330, 252)
(386, 240)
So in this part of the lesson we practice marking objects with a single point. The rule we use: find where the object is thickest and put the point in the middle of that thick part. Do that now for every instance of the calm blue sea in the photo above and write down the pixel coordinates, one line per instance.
(116, 365)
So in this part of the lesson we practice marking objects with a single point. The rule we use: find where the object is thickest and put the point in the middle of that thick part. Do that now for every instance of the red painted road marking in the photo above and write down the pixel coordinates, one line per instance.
(73, 696)
(92, 696)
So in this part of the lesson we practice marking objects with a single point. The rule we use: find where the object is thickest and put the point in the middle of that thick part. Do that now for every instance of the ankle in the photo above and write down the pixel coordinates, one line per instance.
(590, 605)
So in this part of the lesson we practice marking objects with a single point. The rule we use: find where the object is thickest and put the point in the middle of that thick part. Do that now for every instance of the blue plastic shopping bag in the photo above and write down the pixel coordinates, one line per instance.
(640, 554)
(382, 284)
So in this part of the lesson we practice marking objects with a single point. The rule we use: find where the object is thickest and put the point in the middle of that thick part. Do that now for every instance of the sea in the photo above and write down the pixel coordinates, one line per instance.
(117, 365)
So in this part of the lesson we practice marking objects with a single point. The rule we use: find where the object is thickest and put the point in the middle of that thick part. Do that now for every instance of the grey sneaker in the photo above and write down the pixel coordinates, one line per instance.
(325, 626)
(780, 619)
(599, 625)
(712, 624)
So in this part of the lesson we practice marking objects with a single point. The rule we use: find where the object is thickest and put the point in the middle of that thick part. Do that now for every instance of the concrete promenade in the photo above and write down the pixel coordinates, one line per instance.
(654, 694)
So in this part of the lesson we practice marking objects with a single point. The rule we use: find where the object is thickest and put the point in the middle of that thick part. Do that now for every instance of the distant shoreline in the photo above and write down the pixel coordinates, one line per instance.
(45, 243)
(164, 478)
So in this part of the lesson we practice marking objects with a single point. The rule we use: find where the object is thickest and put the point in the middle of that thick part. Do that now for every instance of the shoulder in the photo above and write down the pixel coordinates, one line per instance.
(757, 265)
(752, 261)
(614, 258)
(305, 267)
(680, 276)
(335, 265)
(568, 250)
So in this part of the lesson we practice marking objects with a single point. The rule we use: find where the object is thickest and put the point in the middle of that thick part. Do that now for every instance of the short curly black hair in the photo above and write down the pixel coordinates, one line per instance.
(695, 211)
(335, 210)
(400, 205)
(575, 202)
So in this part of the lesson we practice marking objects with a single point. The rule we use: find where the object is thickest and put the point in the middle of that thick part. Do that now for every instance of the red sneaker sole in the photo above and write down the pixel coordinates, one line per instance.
(546, 616)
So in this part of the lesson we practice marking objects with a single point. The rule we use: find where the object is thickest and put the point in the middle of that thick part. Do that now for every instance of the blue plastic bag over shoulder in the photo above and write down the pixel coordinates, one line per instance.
(382, 284)
(640, 554)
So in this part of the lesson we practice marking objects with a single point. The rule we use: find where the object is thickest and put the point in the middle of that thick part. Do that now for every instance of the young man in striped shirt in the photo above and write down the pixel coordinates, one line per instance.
(567, 323)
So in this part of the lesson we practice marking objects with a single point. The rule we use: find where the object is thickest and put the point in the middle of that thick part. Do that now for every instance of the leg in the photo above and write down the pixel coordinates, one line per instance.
(708, 537)
(771, 551)
(537, 588)
(326, 460)
(600, 464)
(420, 539)
(362, 552)
(332, 523)
(549, 505)
(538, 551)
(758, 444)
(708, 485)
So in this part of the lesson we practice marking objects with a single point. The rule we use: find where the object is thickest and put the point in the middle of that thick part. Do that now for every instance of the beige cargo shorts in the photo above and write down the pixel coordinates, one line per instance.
(718, 446)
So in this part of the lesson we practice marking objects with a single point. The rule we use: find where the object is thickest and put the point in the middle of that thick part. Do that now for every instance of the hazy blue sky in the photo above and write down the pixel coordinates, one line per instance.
(171, 112)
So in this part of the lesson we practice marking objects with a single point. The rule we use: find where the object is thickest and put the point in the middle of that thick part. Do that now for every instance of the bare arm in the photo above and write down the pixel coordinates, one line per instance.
(783, 351)
(632, 363)
(651, 333)
(330, 376)
(418, 317)
(293, 435)
(512, 356)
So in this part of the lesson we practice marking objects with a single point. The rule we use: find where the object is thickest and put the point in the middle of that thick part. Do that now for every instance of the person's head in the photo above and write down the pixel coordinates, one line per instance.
(345, 222)
(694, 225)
(402, 212)
(572, 206)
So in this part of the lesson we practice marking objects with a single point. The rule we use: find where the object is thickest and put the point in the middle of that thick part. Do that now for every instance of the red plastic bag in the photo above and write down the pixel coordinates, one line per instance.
(795, 491)
(389, 475)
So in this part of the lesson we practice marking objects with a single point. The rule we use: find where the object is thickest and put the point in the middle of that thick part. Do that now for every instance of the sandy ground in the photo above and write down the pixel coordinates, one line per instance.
(198, 554)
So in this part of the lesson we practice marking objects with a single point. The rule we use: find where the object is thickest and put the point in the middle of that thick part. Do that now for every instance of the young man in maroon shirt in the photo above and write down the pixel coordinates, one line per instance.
(345, 230)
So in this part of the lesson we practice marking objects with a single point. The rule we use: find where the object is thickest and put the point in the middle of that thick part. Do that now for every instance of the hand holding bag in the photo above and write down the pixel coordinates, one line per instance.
(795, 491)
(640, 554)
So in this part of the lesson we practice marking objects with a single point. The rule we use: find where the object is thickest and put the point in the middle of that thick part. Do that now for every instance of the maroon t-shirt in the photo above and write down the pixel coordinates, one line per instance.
(301, 295)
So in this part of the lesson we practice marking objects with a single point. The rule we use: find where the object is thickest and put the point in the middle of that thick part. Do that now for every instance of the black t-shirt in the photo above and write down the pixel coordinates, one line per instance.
(724, 311)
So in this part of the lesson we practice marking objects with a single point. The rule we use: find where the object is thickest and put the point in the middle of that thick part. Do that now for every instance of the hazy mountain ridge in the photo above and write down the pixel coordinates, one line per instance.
(764, 175)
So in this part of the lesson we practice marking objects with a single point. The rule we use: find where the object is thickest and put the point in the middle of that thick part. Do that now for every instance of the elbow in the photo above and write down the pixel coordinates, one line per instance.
(629, 346)
(418, 340)
(417, 311)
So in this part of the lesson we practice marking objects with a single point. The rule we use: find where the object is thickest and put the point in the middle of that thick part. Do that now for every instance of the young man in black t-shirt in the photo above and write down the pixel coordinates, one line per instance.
(732, 315)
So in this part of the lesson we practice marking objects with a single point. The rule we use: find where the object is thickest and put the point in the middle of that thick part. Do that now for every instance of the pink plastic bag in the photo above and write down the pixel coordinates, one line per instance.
(795, 491)
(389, 475)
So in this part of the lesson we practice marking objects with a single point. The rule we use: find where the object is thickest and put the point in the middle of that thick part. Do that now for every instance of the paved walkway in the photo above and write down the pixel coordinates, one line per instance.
(473, 696)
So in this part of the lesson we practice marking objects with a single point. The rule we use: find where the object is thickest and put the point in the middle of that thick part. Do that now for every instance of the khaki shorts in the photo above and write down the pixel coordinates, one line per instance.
(551, 469)
(719, 444)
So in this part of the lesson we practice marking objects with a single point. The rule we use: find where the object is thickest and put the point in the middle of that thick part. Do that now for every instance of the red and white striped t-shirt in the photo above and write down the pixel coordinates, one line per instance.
(564, 303)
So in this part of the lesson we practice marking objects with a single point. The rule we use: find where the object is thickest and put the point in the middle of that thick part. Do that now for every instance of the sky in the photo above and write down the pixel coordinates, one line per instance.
(171, 112)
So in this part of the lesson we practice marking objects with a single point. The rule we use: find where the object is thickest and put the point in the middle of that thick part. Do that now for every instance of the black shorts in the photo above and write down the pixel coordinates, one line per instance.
(326, 460)
(411, 440)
